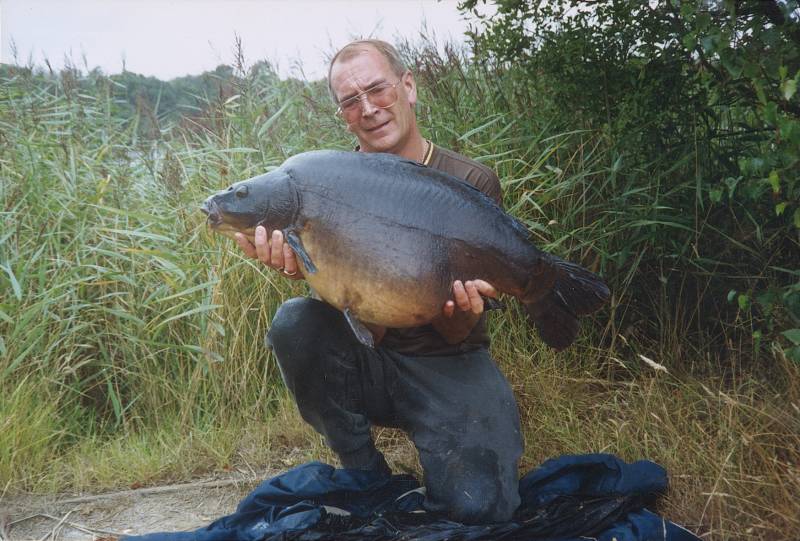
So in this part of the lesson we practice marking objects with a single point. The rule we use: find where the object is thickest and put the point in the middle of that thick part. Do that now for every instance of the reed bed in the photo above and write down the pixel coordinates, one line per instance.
(131, 340)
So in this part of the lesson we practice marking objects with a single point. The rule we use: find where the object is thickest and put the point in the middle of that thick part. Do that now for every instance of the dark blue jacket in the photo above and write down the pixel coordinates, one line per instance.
(565, 499)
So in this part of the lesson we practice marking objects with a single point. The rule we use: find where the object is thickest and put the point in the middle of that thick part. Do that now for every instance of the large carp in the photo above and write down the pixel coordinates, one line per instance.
(383, 238)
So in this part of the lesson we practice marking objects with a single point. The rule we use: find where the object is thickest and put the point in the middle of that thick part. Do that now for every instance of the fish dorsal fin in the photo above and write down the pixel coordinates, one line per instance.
(359, 329)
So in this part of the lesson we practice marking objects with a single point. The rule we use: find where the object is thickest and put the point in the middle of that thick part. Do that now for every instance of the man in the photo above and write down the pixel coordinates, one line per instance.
(436, 382)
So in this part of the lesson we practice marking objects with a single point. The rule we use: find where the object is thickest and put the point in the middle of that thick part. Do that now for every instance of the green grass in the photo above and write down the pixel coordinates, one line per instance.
(131, 340)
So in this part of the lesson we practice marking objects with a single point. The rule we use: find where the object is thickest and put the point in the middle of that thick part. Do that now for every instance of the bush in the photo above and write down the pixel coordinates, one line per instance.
(696, 105)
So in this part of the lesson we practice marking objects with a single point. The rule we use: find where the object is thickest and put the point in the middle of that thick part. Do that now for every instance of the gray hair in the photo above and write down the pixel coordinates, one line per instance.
(354, 47)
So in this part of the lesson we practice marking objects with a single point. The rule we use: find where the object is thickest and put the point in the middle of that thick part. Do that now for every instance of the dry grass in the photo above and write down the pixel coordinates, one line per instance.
(730, 445)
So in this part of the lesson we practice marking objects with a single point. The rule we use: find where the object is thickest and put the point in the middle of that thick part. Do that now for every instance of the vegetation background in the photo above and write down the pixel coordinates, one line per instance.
(656, 143)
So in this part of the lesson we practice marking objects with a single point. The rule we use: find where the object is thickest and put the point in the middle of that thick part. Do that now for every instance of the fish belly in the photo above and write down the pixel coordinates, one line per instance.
(383, 277)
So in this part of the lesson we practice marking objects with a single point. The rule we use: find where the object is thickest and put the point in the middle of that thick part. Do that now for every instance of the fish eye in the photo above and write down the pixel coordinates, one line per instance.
(242, 191)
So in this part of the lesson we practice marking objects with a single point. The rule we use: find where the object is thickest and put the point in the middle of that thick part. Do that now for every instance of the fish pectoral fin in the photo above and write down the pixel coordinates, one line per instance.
(359, 329)
(293, 239)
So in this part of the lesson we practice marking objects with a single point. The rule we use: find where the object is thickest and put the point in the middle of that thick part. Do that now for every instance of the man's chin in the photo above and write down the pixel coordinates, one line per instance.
(382, 138)
(380, 144)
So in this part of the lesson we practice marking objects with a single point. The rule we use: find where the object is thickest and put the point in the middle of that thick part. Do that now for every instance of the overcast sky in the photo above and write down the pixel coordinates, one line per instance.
(170, 38)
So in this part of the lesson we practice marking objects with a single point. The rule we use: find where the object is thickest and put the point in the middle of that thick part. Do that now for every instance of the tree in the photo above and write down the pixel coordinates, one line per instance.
(704, 89)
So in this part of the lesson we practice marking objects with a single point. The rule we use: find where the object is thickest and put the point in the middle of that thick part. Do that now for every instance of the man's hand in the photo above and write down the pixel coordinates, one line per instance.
(273, 252)
(460, 314)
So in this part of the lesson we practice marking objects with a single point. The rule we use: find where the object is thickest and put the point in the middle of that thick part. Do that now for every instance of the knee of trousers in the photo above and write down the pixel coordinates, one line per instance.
(480, 499)
(474, 486)
(299, 336)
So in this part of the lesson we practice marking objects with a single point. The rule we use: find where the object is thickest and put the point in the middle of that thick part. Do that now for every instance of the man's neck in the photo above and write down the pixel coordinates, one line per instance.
(414, 149)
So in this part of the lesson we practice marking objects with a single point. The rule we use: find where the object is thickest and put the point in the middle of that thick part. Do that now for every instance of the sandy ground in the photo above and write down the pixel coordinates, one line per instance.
(108, 516)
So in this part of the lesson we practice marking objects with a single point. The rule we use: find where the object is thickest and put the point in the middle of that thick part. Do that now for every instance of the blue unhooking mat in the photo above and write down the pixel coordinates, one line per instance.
(566, 499)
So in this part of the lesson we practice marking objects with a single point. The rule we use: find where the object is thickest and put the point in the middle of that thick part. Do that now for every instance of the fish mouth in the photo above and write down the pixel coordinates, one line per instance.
(213, 214)
(216, 221)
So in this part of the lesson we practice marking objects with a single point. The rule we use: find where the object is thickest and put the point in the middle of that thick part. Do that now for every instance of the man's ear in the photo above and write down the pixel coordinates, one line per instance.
(411, 87)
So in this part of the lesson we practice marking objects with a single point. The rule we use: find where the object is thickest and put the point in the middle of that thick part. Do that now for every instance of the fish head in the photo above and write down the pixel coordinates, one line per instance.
(263, 200)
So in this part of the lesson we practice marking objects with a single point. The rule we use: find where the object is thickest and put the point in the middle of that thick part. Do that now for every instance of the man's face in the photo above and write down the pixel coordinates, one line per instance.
(377, 130)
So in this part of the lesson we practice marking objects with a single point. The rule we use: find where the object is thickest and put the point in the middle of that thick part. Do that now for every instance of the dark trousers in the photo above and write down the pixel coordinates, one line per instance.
(458, 410)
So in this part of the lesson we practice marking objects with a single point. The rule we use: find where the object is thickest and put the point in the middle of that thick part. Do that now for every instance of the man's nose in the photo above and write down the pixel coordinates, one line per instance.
(367, 108)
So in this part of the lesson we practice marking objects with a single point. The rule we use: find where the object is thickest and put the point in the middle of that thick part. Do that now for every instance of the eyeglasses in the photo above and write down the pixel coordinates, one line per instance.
(382, 96)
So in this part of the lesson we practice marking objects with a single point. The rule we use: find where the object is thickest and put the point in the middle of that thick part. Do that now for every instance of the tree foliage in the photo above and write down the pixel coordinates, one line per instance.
(700, 95)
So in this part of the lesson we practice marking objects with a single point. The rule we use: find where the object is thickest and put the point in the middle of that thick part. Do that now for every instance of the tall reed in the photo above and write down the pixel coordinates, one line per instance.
(131, 340)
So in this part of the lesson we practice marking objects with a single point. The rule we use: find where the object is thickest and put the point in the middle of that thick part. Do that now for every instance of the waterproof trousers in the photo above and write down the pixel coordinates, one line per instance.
(458, 410)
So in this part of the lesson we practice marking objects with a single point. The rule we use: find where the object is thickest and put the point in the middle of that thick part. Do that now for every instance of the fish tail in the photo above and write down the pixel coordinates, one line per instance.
(575, 292)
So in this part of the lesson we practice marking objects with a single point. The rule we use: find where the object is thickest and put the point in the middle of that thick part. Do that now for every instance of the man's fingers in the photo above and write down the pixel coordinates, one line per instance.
(276, 255)
(246, 246)
(270, 250)
(485, 288)
(475, 299)
(449, 309)
(289, 261)
(262, 245)
(460, 295)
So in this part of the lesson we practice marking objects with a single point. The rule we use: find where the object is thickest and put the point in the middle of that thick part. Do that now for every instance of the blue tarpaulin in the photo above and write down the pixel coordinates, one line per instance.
(566, 499)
